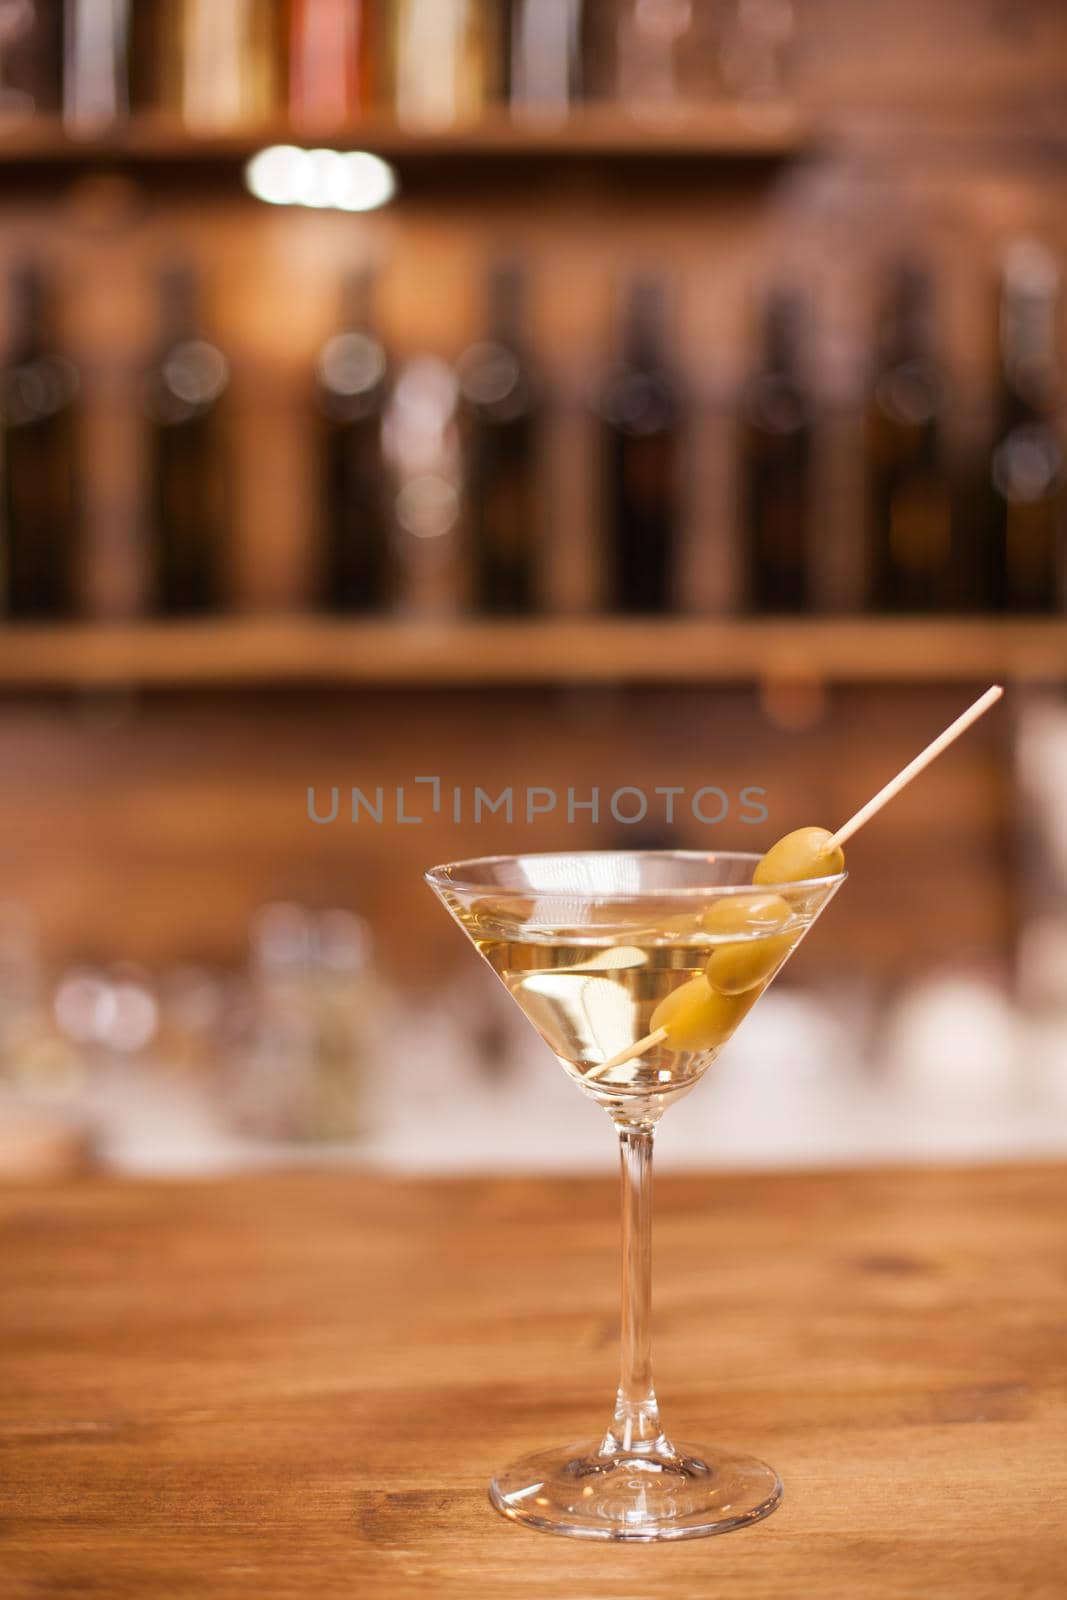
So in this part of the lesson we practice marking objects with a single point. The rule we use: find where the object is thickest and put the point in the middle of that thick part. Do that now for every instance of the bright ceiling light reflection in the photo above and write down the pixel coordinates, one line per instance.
(335, 180)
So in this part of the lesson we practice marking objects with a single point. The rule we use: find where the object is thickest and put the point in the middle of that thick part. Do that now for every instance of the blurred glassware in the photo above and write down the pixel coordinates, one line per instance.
(110, 1014)
(34, 1057)
(652, 42)
(1041, 778)
(95, 65)
(312, 1029)
(447, 58)
(755, 49)
(192, 1013)
(545, 59)
(952, 1046)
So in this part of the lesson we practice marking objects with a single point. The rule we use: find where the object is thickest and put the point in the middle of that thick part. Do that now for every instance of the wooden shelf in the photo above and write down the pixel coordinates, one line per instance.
(284, 652)
(761, 131)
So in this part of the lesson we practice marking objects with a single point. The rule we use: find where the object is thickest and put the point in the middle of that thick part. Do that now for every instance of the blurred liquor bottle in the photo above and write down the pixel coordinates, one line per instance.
(95, 65)
(222, 62)
(544, 59)
(1025, 481)
(642, 409)
(447, 58)
(775, 465)
(909, 498)
(756, 45)
(423, 450)
(31, 57)
(41, 543)
(331, 61)
(500, 420)
(352, 383)
(188, 488)
(155, 56)
(654, 44)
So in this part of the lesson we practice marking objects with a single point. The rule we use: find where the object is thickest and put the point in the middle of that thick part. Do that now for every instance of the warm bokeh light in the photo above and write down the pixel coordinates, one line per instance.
(330, 180)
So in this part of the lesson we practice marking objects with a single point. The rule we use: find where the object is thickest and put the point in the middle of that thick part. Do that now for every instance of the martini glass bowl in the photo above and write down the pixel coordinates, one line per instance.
(600, 949)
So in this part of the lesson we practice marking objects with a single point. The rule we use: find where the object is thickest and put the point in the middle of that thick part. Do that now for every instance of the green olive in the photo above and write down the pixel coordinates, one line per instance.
(747, 913)
(698, 1018)
(737, 968)
(801, 854)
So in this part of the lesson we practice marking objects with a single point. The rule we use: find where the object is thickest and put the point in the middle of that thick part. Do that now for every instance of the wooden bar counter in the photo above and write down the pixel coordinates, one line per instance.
(298, 1385)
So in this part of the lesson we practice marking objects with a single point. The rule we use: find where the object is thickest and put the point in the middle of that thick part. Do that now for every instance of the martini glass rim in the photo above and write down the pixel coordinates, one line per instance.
(455, 875)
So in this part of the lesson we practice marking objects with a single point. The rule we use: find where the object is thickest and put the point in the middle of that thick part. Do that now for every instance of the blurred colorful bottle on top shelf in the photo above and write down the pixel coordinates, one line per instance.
(95, 65)
(909, 495)
(755, 51)
(188, 490)
(544, 59)
(642, 412)
(653, 41)
(31, 55)
(352, 389)
(331, 62)
(1026, 484)
(501, 416)
(229, 63)
(447, 58)
(39, 505)
(776, 425)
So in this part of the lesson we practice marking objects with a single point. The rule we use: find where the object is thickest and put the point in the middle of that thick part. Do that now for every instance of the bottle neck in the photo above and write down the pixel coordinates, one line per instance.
(906, 334)
(782, 338)
(31, 315)
(357, 302)
(645, 332)
(1029, 364)
(506, 309)
(1029, 302)
(178, 317)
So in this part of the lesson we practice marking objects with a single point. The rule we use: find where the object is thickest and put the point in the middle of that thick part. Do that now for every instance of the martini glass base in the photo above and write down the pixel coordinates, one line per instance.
(682, 1491)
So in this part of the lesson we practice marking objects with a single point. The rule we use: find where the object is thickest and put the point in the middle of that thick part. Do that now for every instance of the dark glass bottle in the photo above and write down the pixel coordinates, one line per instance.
(189, 488)
(31, 59)
(1025, 488)
(642, 408)
(500, 425)
(40, 392)
(775, 473)
(909, 499)
(352, 382)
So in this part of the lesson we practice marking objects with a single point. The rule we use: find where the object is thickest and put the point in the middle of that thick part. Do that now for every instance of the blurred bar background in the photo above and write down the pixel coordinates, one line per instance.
(544, 395)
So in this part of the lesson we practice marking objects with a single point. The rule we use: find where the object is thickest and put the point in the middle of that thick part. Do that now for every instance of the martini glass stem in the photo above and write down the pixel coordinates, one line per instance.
(635, 1426)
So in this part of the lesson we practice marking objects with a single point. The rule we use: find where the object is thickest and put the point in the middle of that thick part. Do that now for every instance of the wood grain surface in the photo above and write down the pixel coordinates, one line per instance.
(298, 1385)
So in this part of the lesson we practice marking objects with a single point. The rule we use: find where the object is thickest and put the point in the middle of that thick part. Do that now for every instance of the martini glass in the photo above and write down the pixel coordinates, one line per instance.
(589, 945)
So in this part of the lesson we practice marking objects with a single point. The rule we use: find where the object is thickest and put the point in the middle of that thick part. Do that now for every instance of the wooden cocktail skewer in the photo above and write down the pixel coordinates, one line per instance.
(913, 768)
(935, 748)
